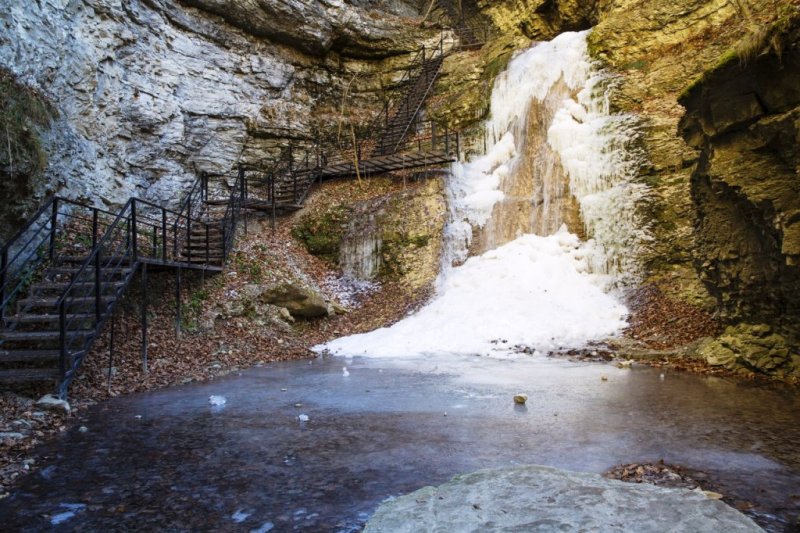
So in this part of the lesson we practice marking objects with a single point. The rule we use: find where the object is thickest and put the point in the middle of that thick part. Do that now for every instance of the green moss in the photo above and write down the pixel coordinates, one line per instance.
(755, 42)
(639, 64)
(23, 112)
(251, 268)
(322, 234)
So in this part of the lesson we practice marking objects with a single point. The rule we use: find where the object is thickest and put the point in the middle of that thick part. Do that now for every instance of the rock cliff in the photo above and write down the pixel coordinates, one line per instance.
(147, 92)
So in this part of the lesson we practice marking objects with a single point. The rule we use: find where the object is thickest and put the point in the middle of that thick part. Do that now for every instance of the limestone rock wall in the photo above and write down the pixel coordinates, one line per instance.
(148, 92)
(744, 118)
(716, 87)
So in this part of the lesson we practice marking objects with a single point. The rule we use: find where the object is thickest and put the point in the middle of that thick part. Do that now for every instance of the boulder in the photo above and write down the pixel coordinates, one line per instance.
(538, 498)
(301, 302)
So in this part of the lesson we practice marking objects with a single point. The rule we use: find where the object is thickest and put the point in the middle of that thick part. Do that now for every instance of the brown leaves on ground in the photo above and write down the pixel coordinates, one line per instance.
(659, 473)
(660, 322)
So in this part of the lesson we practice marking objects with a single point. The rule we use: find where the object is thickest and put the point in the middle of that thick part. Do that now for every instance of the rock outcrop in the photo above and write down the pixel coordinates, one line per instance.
(387, 236)
(715, 83)
(538, 498)
(148, 92)
(744, 118)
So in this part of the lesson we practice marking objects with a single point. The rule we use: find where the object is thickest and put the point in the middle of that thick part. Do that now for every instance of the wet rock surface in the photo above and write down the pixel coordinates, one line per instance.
(533, 498)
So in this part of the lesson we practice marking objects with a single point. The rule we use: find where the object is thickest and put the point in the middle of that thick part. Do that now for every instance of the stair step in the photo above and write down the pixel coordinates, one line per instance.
(79, 259)
(51, 302)
(18, 375)
(75, 270)
(61, 285)
(33, 318)
(39, 336)
(26, 356)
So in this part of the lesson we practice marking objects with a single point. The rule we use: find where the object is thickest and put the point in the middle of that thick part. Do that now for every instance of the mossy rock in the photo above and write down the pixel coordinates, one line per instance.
(322, 233)
(755, 348)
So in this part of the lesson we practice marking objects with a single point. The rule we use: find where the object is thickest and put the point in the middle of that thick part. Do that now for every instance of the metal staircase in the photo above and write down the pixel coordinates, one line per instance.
(64, 273)
(400, 120)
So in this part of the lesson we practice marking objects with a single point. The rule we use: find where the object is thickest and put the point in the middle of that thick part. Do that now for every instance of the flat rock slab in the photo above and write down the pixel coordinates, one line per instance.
(537, 498)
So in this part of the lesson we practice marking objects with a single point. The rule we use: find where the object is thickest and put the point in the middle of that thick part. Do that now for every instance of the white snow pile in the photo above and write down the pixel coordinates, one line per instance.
(534, 291)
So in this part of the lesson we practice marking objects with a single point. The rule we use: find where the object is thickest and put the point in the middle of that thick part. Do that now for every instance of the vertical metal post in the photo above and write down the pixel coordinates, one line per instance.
(94, 227)
(446, 141)
(3, 277)
(53, 222)
(189, 231)
(133, 233)
(155, 240)
(208, 244)
(458, 145)
(144, 318)
(111, 348)
(62, 338)
(178, 301)
(98, 306)
(243, 196)
(163, 234)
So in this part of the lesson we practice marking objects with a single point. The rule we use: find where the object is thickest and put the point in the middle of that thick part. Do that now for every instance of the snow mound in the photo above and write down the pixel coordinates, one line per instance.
(534, 291)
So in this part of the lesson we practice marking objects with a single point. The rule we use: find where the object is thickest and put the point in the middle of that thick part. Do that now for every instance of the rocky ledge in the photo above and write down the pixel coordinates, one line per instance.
(538, 498)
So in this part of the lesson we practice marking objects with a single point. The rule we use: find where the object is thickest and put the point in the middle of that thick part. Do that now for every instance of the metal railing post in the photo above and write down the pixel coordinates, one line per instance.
(94, 227)
(53, 223)
(163, 234)
(208, 244)
(97, 288)
(62, 338)
(189, 231)
(134, 233)
(3, 278)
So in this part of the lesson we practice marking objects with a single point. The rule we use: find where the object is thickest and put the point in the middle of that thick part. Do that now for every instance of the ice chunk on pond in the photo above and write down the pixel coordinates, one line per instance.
(217, 401)
(71, 509)
(266, 526)
(240, 516)
(302, 418)
(345, 373)
(61, 517)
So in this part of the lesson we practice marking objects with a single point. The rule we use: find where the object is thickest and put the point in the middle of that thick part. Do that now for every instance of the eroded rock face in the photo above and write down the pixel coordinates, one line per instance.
(148, 92)
(396, 236)
(543, 19)
(744, 118)
(724, 177)
(318, 27)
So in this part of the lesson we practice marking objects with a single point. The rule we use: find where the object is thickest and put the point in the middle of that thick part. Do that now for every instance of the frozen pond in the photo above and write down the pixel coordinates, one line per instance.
(173, 460)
